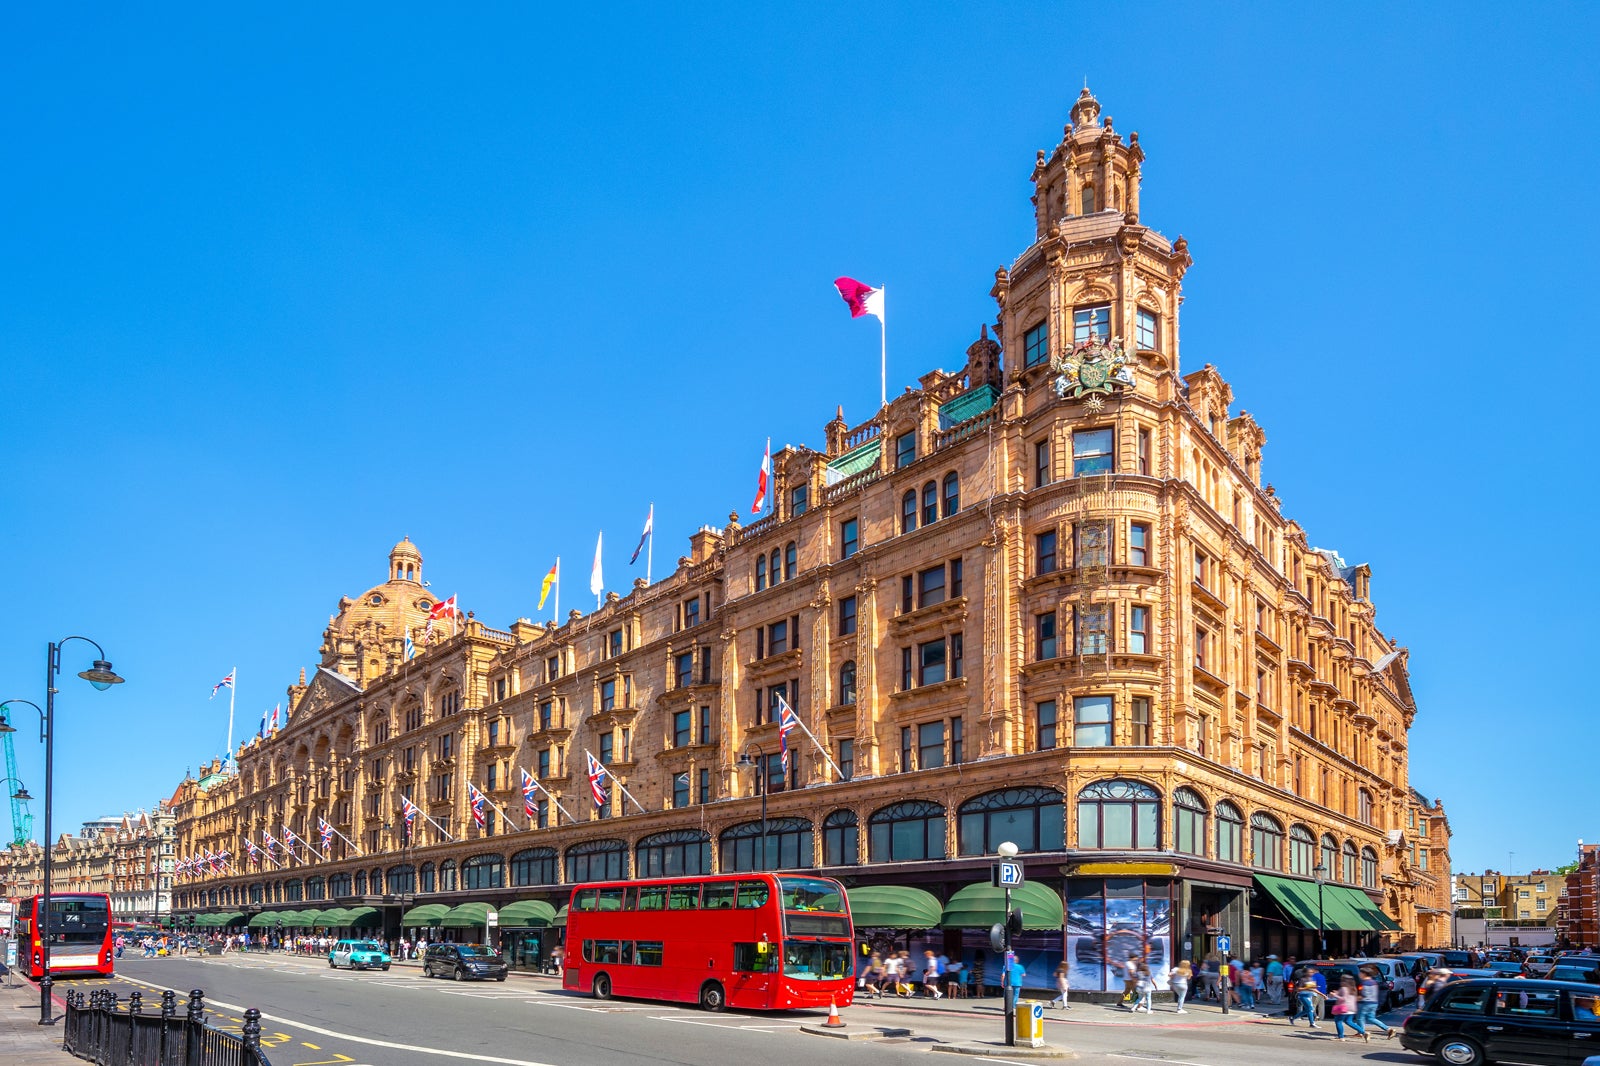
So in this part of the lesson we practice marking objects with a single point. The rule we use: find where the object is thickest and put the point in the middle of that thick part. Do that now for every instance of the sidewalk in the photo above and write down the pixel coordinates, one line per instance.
(23, 1041)
(1196, 1015)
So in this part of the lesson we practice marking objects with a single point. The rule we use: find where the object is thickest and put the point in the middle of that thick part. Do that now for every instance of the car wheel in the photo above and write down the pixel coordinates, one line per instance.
(456, 974)
(712, 997)
(601, 988)
(502, 977)
(1459, 1051)
(332, 965)
(386, 967)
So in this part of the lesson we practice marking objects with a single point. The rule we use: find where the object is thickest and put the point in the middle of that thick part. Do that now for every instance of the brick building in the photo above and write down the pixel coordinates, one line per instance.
(1580, 910)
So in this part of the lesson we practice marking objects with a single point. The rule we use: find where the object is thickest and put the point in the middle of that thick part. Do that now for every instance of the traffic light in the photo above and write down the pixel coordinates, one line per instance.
(1014, 921)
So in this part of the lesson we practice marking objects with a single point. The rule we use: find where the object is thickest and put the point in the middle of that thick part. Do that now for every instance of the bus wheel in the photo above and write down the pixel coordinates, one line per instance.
(601, 988)
(712, 996)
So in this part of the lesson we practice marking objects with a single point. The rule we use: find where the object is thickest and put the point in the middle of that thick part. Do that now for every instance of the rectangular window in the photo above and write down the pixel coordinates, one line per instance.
(1139, 544)
(680, 789)
(493, 776)
(847, 758)
(1092, 451)
(1202, 647)
(1044, 552)
(1090, 322)
(1044, 725)
(907, 593)
(681, 728)
(957, 667)
(1036, 345)
(1041, 463)
(955, 578)
(1146, 330)
(847, 615)
(778, 638)
(1091, 722)
(494, 734)
(1139, 629)
(1092, 547)
(691, 613)
(905, 669)
(544, 765)
(684, 669)
(799, 500)
(907, 752)
(957, 748)
(1202, 569)
(607, 748)
(544, 715)
(1140, 721)
(849, 540)
(608, 695)
(931, 662)
(1090, 622)
(705, 666)
(1044, 630)
(1143, 447)
(930, 745)
(552, 668)
(930, 587)
(614, 643)
(905, 450)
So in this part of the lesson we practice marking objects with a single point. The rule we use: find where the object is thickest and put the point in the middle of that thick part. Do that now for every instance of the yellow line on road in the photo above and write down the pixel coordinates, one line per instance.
(310, 1045)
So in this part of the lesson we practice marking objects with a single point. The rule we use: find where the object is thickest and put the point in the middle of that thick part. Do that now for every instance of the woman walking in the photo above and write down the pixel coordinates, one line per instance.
(1144, 987)
(1063, 977)
(1306, 996)
(1178, 981)
(876, 975)
(1367, 1002)
(1342, 1003)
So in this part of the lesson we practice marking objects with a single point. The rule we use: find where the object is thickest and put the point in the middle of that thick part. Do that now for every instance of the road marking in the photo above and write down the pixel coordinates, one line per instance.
(1154, 1058)
(339, 1060)
(310, 1045)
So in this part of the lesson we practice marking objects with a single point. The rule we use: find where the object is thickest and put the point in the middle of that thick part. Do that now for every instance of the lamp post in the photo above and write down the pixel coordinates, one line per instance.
(1322, 938)
(758, 765)
(102, 677)
(1007, 850)
(405, 863)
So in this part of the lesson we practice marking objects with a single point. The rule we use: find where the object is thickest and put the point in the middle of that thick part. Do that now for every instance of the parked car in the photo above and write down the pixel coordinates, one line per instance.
(1420, 962)
(464, 962)
(1540, 961)
(1396, 982)
(1468, 975)
(1505, 966)
(1332, 973)
(1575, 968)
(358, 955)
(1456, 959)
(1470, 1023)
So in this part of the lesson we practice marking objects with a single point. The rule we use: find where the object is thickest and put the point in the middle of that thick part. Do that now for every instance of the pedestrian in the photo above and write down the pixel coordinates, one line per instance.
(891, 973)
(1063, 981)
(1015, 972)
(1258, 982)
(930, 975)
(1210, 976)
(1342, 1004)
(876, 975)
(1144, 984)
(1274, 974)
(1178, 981)
(977, 974)
(1130, 983)
(1367, 1002)
(1247, 986)
(1306, 998)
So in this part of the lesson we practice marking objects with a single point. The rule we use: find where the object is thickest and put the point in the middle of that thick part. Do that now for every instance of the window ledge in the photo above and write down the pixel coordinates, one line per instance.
(942, 611)
(1209, 681)
(916, 700)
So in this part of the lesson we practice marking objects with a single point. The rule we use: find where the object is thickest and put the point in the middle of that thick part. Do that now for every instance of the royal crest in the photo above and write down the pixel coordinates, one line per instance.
(1091, 367)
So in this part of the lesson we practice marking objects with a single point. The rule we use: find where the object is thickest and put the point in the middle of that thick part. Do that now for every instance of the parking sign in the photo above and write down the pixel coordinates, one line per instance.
(1007, 874)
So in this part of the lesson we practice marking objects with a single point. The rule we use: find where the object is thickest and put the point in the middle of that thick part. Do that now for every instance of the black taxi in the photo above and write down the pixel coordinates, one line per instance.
(1510, 1019)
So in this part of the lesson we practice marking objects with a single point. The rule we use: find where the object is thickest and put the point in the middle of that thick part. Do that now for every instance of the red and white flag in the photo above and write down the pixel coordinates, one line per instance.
(863, 299)
(763, 480)
(443, 609)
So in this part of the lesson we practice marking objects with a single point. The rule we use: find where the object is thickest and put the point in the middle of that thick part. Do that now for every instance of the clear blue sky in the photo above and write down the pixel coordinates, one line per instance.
(279, 287)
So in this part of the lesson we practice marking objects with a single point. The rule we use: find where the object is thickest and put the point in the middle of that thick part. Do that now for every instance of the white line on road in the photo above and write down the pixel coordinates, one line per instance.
(1154, 1058)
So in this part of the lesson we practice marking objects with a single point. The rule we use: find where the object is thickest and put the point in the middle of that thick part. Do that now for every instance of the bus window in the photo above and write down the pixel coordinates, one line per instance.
(753, 895)
(610, 899)
(748, 958)
(652, 897)
(630, 897)
(602, 950)
(647, 953)
(809, 894)
(684, 898)
(625, 954)
(584, 900)
(718, 897)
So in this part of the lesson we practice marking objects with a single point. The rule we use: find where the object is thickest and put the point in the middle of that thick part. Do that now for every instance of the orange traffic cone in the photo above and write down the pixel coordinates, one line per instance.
(834, 1021)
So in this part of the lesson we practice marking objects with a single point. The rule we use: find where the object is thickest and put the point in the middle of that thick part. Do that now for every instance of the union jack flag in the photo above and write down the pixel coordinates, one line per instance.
(529, 787)
(266, 838)
(252, 851)
(326, 831)
(222, 856)
(475, 799)
(226, 682)
(290, 840)
(409, 811)
(597, 776)
(787, 721)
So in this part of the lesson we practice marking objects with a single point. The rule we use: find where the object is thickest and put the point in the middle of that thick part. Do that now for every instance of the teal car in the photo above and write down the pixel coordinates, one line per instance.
(358, 955)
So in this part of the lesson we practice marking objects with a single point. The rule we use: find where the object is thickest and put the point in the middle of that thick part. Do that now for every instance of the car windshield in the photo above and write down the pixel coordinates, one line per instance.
(473, 949)
(365, 945)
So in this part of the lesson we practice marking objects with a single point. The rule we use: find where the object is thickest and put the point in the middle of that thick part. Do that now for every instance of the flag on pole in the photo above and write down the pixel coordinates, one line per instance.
(549, 579)
(290, 841)
(263, 731)
(529, 787)
(443, 609)
(251, 850)
(597, 776)
(409, 811)
(267, 839)
(761, 481)
(597, 581)
(863, 299)
(275, 709)
(326, 832)
(649, 522)
(788, 721)
(411, 646)
(475, 801)
(226, 682)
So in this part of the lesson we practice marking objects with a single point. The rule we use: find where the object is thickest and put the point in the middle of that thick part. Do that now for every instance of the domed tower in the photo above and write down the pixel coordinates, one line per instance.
(405, 562)
(367, 636)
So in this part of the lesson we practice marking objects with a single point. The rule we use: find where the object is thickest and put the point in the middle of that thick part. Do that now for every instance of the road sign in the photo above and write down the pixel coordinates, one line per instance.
(1224, 944)
(1007, 875)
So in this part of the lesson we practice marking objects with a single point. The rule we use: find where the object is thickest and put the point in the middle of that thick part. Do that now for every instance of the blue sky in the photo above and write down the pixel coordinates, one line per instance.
(278, 287)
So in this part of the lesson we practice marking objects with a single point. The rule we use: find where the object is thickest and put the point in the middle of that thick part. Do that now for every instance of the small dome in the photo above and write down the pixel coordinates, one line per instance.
(405, 562)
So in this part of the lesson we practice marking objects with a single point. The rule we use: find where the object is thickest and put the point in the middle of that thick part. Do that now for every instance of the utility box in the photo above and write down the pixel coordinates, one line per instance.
(1030, 1024)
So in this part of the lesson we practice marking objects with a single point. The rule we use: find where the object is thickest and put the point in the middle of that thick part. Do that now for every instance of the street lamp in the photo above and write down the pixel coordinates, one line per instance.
(102, 677)
(1007, 851)
(758, 766)
(1322, 938)
(405, 863)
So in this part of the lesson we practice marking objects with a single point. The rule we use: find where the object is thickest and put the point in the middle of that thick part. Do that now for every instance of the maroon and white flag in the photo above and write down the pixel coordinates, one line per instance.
(763, 479)
(862, 298)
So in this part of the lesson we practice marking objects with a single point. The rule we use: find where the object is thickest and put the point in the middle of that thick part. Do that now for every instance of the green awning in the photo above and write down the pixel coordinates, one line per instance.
(294, 919)
(526, 914)
(1292, 897)
(561, 916)
(227, 918)
(466, 916)
(982, 905)
(855, 461)
(425, 914)
(333, 916)
(893, 907)
(362, 916)
(1359, 911)
(264, 920)
(1339, 907)
(967, 405)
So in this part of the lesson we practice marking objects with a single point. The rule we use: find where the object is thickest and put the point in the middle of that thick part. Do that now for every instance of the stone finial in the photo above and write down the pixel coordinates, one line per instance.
(1086, 111)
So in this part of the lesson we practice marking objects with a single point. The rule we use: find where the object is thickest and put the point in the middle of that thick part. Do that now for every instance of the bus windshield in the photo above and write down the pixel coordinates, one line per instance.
(811, 894)
(811, 960)
(77, 921)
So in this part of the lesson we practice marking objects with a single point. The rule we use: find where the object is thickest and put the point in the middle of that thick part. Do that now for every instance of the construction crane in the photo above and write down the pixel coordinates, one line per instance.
(21, 819)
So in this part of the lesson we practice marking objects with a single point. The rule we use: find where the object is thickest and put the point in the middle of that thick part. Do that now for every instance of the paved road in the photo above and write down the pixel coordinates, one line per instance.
(314, 1016)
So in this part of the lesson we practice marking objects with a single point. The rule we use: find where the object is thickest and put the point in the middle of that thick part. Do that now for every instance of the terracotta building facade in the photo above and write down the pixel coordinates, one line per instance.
(1045, 597)
(130, 858)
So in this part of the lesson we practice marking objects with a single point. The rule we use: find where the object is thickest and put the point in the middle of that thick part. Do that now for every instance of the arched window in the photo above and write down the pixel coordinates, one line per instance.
(294, 892)
(1351, 870)
(484, 871)
(840, 839)
(402, 879)
(761, 572)
(678, 853)
(535, 866)
(1031, 818)
(1088, 200)
(1230, 831)
(1266, 842)
(930, 504)
(256, 893)
(375, 879)
(1369, 868)
(908, 511)
(952, 494)
(788, 561)
(339, 885)
(777, 567)
(1364, 806)
(1188, 821)
(847, 682)
(1119, 814)
(361, 882)
(425, 881)
(906, 831)
(1302, 850)
(1330, 857)
(788, 846)
(316, 888)
(447, 876)
(597, 860)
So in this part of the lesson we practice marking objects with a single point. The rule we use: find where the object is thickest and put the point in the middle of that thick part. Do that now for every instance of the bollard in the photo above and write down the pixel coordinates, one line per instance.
(197, 1006)
(252, 1027)
(169, 1005)
(136, 1002)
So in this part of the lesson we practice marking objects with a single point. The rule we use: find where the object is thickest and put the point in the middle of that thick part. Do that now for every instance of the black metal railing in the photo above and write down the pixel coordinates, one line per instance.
(103, 1030)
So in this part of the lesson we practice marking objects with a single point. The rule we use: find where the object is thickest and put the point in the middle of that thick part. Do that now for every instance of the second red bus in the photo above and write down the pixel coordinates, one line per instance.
(78, 931)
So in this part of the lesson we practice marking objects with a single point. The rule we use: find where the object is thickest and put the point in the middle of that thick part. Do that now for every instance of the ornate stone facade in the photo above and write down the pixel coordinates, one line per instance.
(131, 861)
(1045, 596)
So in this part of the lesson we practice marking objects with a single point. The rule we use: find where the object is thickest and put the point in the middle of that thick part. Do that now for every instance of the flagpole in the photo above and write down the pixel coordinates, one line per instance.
(807, 731)
(625, 792)
(883, 362)
(557, 618)
(540, 786)
(650, 549)
(436, 825)
(233, 688)
(501, 810)
(347, 840)
(772, 486)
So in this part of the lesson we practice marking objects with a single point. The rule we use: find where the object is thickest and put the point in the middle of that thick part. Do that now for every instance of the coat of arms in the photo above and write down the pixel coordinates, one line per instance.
(1091, 367)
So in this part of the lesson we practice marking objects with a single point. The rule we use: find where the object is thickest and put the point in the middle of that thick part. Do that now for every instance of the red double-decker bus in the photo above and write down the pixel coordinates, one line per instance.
(79, 932)
(749, 941)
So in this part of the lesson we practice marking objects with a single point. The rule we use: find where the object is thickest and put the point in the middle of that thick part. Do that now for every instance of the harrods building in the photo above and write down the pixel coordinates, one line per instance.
(1043, 597)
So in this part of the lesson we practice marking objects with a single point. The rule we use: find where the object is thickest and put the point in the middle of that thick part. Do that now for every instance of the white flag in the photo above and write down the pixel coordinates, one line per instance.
(596, 581)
